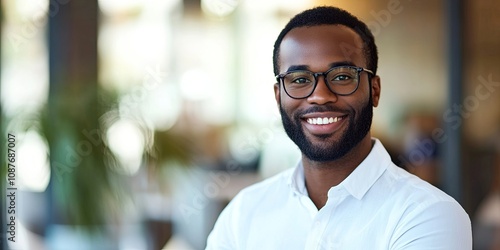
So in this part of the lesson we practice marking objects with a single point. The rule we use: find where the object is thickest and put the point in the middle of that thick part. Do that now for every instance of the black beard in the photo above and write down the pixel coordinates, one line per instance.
(358, 128)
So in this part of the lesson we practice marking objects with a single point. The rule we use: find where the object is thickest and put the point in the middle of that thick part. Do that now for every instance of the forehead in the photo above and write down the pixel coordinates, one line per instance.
(318, 47)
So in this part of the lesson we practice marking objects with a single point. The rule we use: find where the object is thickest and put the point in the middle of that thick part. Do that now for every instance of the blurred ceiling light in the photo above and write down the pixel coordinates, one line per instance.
(21, 92)
(286, 6)
(197, 85)
(162, 7)
(219, 8)
(32, 162)
(112, 7)
(127, 49)
(126, 141)
(162, 106)
(31, 10)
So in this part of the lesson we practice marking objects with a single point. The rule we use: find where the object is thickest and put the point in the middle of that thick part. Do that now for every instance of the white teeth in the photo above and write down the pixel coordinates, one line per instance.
(324, 120)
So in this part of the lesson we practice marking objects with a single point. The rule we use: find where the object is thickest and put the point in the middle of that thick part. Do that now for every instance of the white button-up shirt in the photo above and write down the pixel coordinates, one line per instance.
(378, 206)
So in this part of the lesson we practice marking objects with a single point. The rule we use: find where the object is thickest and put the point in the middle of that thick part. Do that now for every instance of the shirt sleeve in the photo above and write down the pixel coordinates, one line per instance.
(441, 226)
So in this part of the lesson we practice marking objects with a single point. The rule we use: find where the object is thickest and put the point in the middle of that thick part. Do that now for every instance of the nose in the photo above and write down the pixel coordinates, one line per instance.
(322, 94)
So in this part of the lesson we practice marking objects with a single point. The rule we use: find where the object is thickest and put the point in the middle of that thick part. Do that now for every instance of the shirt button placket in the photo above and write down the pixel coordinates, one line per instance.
(316, 233)
(325, 239)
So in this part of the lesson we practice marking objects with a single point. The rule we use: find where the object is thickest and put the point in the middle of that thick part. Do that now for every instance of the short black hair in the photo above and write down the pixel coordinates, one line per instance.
(331, 15)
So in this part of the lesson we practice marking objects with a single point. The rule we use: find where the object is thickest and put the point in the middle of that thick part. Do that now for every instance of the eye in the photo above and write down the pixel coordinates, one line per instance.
(301, 80)
(342, 75)
(342, 78)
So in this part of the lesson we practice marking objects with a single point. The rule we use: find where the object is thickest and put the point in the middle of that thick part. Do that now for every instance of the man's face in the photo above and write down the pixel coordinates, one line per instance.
(316, 49)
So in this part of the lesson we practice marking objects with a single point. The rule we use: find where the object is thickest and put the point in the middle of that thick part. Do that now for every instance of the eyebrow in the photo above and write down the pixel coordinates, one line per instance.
(331, 65)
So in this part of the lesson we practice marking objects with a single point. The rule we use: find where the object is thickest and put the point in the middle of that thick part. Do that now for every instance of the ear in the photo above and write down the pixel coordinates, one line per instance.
(375, 90)
(277, 93)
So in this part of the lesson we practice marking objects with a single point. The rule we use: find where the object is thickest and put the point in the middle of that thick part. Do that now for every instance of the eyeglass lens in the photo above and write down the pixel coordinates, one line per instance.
(341, 80)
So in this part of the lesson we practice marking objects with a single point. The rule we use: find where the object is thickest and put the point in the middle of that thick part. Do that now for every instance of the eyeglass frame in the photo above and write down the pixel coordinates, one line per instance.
(279, 79)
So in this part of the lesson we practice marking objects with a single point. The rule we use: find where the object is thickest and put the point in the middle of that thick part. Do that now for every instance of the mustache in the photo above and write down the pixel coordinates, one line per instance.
(321, 108)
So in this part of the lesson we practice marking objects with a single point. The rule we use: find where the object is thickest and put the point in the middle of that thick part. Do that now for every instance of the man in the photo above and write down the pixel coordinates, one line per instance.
(345, 193)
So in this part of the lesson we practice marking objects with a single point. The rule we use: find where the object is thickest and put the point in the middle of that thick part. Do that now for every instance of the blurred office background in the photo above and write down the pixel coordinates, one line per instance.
(137, 121)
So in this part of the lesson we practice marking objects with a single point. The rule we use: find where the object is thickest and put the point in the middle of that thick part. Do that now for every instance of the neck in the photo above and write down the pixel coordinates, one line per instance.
(321, 176)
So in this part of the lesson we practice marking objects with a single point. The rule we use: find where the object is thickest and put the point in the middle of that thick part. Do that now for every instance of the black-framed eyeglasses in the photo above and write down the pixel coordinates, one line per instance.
(341, 80)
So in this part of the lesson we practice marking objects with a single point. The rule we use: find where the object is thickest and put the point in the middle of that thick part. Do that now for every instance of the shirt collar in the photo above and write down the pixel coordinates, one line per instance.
(296, 181)
(368, 171)
(359, 181)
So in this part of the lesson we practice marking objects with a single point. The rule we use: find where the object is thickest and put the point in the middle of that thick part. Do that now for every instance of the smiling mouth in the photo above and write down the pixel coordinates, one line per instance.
(324, 120)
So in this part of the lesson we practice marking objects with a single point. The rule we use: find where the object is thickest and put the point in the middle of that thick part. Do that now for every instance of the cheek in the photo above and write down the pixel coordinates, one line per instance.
(288, 104)
(364, 89)
(361, 97)
(356, 102)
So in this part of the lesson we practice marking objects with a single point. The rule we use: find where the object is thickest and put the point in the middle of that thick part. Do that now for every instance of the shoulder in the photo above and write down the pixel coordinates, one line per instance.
(261, 196)
(427, 215)
(250, 203)
(414, 189)
(408, 197)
